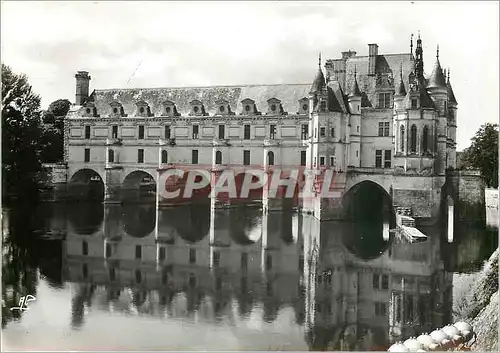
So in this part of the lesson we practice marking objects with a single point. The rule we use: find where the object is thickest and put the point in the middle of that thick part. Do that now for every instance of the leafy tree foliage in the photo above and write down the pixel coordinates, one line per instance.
(53, 134)
(21, 135)
(483, 154)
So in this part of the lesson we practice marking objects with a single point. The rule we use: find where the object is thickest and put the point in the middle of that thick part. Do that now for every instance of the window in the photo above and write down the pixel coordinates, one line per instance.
(218, 157)
(195, 131)
(138, 276)
(221, 132)
(323, 106)
(87, 132)
(167, 131)
(380, 309)
(244, 261)
(378, 159)
(192, 256)
(140, 155)
(384, 100)
(387, 158)
(111, 156)
(332, 161)
(385, 282)
(425, 139)
(314, 164)
(303, 157)
(86, 157)
(162, 253)
(402, 138)
(383, 129)
(85, 270)
(322, 160)
(246, 132)
(85, 248)
(332, 132)
(269, 262)
(138, 252)
(304, 131)
(272, 131)
(112, 274)
(315, 132)
(357, 128)
(270, 158)
(141, 132)
(413, 138)
(246, 157)
(192, 280)
(322, 131)
(164, 157)
(414, 103)
(194, 156)
(216, 258)
(108, 250)
(222, 109)
(376, 282)
(114, 132)
(357, 153)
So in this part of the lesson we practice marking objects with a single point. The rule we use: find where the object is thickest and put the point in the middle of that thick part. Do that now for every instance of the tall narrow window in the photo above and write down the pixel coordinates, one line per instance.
(164, 156)
(86, 157)
(218, 157)
(111, 156)
(332, 161)
(414, 103)
(270, 158)
(112, 274)
(85, 270)
(304, 133)
(141, 132)
(87, 132)
(108, 250)
(162, 254)
(246, 157)
(167, 131)
(322, 160)
(413, 138)
(140, 155)
(194, 156)
(138, 276)
(384, 100)
(192, 256)
(332, 132)
(303, 156)
(216, 258)
(322, 131)
(196, 129)
(402, 138)
(85, 248)
(272, 131)
(246, 132)
(138, 252)
(387, 158)
(425, 139)
(114, 132)
(378, 159)
(221, 132)
(381, 129)
(386, 128)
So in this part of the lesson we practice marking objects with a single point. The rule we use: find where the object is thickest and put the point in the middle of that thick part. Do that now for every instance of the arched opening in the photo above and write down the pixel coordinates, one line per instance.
(270, 158)
(86, 185)
(164, 157)
(402, 138)
(139, 186)
(425, 139)
(413, 138)
(218, 157)
(370, 211)
(139, 221)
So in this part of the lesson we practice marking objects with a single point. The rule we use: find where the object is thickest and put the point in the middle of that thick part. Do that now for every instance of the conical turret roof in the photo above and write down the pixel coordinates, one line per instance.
(401, 88)
(319, 81)
(437, 77)
(451, 95)
(356, 92)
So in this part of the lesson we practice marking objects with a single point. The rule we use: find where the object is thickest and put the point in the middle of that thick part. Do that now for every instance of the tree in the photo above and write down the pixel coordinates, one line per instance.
(53, 131)
(483, 154)
(21, 133)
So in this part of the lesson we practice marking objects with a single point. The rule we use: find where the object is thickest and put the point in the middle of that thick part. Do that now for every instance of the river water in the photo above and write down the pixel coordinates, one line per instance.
(134, 278)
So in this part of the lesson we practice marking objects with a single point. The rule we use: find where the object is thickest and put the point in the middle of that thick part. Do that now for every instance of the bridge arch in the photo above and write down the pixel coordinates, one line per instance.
(86, 184)
(139, 185)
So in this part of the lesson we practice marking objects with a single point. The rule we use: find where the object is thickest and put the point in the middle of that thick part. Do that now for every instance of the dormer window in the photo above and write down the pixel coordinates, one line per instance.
(117, 109)
(249, 107)
(414, 103)
(223, 108)
(197, 108)
(384, 100)
(274, 107)
(303, 106)
(143, 109)
(90, 110)
(170, 109)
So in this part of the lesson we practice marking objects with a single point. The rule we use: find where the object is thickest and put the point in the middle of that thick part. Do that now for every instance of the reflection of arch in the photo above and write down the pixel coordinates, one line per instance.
(244, 220)
(413, 138)
(191, 222)
(86, 184)
(85, 218)
(139, 185)
(139, 220)
(270, 158)
(368, 205)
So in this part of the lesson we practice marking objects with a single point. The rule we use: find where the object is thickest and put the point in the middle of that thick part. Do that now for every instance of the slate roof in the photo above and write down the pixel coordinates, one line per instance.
(436, 79)
(451, 95)
(288, 94)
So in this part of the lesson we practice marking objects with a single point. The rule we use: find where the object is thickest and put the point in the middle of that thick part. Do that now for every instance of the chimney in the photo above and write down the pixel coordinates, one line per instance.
(372, 58)
(348, 54)
(82, 87)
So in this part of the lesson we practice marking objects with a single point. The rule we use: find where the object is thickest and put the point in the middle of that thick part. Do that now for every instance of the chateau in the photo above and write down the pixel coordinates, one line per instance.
(374, 118)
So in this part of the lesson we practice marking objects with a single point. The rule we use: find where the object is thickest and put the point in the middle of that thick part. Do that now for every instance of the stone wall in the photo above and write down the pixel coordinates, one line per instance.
(467, 188)
(54, 178)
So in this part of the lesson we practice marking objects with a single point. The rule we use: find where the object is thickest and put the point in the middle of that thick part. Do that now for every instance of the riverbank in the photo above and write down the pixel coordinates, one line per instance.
(480, 306)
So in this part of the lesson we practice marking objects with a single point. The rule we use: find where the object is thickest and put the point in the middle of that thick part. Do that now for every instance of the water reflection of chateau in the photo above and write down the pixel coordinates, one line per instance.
(348, 287)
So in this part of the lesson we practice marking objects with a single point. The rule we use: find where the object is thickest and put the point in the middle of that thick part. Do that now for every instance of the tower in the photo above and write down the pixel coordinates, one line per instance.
(452, 124)
(436, 87)
(82, 87)
(354, 101)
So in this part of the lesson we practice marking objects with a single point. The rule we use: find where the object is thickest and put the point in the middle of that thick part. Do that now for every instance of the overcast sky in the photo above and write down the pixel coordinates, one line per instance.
(155, 44)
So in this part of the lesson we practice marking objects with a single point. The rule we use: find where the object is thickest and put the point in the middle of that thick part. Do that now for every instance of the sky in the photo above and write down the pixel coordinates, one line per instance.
(174, 44)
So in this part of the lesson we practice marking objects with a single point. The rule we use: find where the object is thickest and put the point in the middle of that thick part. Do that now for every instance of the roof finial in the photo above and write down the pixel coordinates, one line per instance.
(418, 34)
(411, 44)
(319, 61)
(355, 71)
(401, 70)
(448, 75)
(437, 52)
